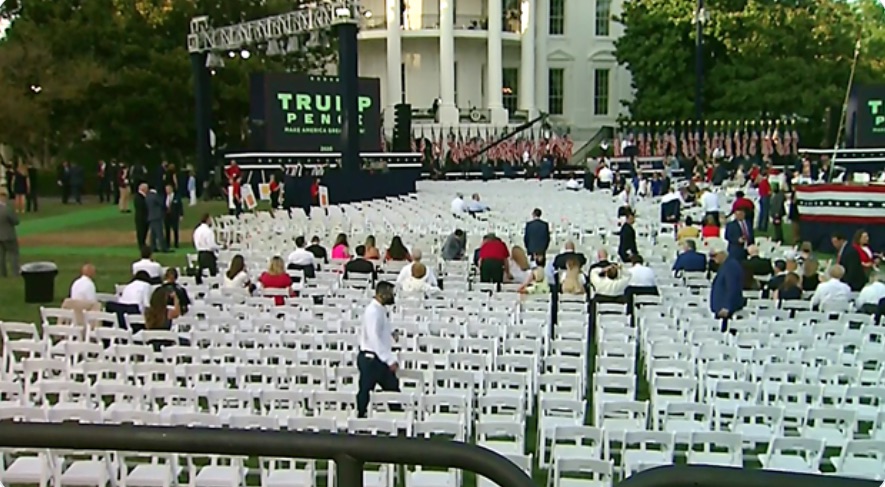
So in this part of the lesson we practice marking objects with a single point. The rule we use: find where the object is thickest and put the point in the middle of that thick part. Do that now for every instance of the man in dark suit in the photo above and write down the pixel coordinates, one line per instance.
(64, 181)
(690, 260)
(627, 243)
(537, 235)
(568, 252)
(758, 265)
(78, 179)
(847, 257)
(141, 212)
(360, 265)
(174, 215)
(104, 182)
(33, 189)
(726, 292)
(156, 216)
(739, 234)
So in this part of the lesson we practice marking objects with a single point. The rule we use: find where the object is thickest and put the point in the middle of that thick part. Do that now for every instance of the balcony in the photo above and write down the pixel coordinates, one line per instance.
(416, 24)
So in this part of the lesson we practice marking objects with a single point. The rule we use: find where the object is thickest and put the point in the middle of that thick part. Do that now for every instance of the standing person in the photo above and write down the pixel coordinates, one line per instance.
(63, 179)
(848, 257)
(206, 246)
(764, 188)
(174, 215)
(778, 212)
(141, 212)
(8, 236)
(739, 234)
(104, 182)
(537, 235)
(113, 180)
(31, 203)
(192, 188)
(77, 181)
(124, 188)
(20, 187)
(726, 292)
(627, 243)
(377, 363)
(156, 216)
(492, 256)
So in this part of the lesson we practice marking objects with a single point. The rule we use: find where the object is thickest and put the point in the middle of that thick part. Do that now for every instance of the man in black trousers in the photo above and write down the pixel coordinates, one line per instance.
(141, 221)
(174, 215)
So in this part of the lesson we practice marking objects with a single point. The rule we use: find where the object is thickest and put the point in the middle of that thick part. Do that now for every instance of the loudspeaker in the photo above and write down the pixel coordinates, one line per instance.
(402, 127)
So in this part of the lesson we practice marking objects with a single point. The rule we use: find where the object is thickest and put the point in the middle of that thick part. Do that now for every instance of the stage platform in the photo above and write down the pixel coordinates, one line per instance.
(825, 209)
(384, 175)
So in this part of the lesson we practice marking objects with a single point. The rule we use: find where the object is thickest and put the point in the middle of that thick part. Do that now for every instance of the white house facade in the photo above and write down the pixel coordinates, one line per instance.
(497, 62)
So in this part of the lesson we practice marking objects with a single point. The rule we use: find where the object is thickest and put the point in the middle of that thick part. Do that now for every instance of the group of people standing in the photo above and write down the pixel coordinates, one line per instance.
(159, 206)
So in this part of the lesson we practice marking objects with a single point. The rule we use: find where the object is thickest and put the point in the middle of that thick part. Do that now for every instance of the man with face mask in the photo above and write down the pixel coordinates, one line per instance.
(376, 361)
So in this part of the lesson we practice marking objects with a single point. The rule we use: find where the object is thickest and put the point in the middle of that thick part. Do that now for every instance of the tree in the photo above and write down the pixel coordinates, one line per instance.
(142, 107)
(762, 58)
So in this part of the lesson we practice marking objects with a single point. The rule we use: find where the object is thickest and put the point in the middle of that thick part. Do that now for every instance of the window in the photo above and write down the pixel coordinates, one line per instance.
(556, 26)
(510, 87)
(603, 17)
(600, 91)
(402, 78)
(556, 91)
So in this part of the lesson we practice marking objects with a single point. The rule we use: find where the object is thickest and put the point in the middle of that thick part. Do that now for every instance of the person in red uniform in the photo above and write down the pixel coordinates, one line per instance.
(493, 255)
(764, 188)
(315, 191)
(233, 171)
(236, 189)
(274, 187)
(754, 173)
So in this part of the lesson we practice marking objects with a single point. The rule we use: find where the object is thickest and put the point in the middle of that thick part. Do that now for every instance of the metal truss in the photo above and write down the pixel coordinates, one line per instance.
(318, 16)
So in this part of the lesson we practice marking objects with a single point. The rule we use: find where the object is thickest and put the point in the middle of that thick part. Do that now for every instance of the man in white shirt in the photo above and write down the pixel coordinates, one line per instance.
(710, 204)
(573, 184)
(833, 290)
(606, 176)
(83, 289)
(870, 295)
(207, 247)
(406, 271)
(377, 363)
(300, 257)
(476, 206)
(138, 292)
(147, 264)
(458, 205)
(641, 276)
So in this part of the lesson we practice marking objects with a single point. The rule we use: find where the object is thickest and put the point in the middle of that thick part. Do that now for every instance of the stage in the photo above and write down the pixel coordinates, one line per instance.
(384, 175)
(825, 209)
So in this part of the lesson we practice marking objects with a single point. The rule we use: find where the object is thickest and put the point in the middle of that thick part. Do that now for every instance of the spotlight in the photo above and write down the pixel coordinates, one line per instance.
(245, 54)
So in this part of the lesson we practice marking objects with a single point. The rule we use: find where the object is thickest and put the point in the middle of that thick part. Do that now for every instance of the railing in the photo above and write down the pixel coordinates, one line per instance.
(349, 452)
(708, 476)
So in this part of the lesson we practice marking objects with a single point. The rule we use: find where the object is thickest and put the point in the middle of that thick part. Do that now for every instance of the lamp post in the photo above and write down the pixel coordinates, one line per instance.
(700, 17)
(348, 66)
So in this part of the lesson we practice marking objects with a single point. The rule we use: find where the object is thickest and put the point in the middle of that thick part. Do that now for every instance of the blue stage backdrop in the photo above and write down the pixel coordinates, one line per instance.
(866, 117)
(826, 209)
(302, 113)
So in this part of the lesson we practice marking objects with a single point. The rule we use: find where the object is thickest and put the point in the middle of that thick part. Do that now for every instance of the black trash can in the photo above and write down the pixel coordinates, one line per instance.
(39, 282)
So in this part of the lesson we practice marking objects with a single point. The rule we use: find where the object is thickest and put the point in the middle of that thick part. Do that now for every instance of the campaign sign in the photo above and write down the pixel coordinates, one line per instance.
(867, 111)
(304, 113)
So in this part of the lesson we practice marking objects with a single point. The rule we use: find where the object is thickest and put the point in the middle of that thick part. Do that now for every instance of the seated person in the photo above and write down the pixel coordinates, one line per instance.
(610, 283)
(417, 282)
(568, 251)
(275, 277)
(780, 273)
(138, 291)
(302, 259)
(372, 252)
(757, 265)
(517, 265)
(572, 281)
(360, 265)
(455, 245)
(147, 263)
(870, 296)
(573, 184)
(689, 260)
(319, 252)
(397, 252)
(170, 283)
(642, 278)
(833, 290)
(710, 228)
(236, 277)
(688, 231)
(341, 249)
(536, 283)
(164, 307)
(83, 296)
(810, 275)
(475, 206)
(789, 290)
(671, 207)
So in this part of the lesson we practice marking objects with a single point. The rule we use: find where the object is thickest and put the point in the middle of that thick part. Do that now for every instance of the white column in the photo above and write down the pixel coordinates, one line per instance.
(394, 61)
(527, 66)
(448, 110)
(494, 77)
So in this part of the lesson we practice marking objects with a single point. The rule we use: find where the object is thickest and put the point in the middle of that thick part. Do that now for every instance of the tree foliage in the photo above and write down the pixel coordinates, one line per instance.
(116, 81)
(762, 58)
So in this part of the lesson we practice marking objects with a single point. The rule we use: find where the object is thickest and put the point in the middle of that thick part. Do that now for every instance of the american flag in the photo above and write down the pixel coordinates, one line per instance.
(616, 145)
(383, 142)
(754, 139)
(437, 144)
(413, 142)
(745, 142)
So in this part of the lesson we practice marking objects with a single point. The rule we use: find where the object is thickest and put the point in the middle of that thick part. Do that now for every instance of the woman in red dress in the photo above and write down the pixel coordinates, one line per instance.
(275, 277)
